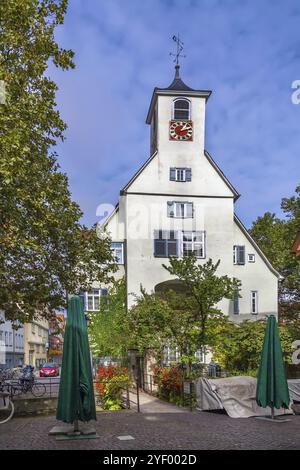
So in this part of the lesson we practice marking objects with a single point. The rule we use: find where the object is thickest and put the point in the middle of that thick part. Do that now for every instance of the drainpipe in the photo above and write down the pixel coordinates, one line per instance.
(14, 346)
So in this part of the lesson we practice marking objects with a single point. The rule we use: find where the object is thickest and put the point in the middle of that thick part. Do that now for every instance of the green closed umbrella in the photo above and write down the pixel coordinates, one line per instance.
(76, 395)
(272, 388)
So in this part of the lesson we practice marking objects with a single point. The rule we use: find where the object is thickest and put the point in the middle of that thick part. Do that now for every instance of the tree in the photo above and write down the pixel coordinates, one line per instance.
(204, 289)
(108, 332)
(237, 347)
(275, 237)
(149, 323)
(160, 320)
(45, 251)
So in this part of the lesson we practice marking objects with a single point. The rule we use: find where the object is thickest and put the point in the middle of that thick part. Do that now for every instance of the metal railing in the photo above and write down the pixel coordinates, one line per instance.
(130, 394)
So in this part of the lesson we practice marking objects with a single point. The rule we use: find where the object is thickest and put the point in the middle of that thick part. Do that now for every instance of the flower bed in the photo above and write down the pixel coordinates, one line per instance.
(111, 381)
(169, 381)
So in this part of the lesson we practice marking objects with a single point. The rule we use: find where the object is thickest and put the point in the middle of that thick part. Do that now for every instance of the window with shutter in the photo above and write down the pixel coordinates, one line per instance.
(165, 243)
(239, 254)
(254, 302)
(172, 174)
(188, 174)
(180, 174)
(182, 210)
(118, 252)
(170, 209)
(236, 303)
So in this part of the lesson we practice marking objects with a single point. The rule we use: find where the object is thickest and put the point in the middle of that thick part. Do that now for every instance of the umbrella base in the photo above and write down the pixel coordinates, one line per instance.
(277, 419)
(68, 432)
(75, 436)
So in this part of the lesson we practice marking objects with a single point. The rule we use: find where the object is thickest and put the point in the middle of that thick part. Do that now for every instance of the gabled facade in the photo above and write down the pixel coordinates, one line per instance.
(180, 201)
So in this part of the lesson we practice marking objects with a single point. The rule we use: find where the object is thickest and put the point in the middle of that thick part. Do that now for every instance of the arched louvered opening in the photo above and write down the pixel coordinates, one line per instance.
(182, 109)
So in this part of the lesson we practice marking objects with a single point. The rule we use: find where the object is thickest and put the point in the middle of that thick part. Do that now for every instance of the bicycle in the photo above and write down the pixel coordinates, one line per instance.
(7, 408)
(28, 385)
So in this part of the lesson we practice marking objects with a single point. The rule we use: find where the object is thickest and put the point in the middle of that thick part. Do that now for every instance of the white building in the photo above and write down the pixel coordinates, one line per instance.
(11, 344)
(180, 201)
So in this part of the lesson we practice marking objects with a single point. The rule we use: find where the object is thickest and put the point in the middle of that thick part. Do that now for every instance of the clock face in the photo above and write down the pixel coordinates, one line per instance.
(181, 130)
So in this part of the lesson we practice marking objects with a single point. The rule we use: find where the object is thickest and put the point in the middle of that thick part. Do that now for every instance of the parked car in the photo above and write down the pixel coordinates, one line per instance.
(49, 370)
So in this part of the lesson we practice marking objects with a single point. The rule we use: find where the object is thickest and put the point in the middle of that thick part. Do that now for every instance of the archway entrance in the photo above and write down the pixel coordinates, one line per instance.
(173, 284)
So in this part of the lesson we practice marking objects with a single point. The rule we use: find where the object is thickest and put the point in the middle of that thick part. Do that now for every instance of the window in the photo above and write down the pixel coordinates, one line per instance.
(193, 242)
(104, 299)
(182, 109)
(10, 339)
(200, 355)
(40, 331)
(251, 258)
(238, 254)
(6, 338)
(236, 303)
(181, 243)
(94, 298)
(254, 302)
(180, 209)
(180, 174)
(165, 243)
(118, 252)
(33, 328)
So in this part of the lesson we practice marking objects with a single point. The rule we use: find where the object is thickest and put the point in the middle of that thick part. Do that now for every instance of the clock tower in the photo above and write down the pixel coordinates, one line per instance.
(177, 117)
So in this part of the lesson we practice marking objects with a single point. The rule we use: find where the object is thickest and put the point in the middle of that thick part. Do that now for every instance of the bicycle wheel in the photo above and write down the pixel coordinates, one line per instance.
(15, 388)
(38, 390)
(7, 409)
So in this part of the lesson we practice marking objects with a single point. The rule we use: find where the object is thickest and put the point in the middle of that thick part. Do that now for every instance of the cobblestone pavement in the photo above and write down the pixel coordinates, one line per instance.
(158, 431)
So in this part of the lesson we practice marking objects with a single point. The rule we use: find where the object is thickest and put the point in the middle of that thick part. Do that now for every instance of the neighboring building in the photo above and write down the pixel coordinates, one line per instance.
(11, 344)
(36, 342)
(180, 202)
(296, 245)
(56, 338)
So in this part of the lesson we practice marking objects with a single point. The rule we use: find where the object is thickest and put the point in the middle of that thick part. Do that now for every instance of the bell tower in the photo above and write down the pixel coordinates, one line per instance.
(177, 114)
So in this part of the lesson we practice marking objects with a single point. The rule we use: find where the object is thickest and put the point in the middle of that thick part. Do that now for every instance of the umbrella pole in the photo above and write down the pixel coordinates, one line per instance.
(272, 412)
(76, 427)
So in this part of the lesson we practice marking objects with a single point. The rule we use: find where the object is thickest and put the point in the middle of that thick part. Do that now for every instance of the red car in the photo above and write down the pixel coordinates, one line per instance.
(49, 370)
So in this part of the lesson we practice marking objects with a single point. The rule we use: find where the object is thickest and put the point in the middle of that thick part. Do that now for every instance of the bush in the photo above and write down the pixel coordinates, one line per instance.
(169, 381)
(237, 347)
(111, 381)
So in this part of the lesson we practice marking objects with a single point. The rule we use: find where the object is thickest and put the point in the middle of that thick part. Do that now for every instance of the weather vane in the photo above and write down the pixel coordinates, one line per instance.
(179, 49)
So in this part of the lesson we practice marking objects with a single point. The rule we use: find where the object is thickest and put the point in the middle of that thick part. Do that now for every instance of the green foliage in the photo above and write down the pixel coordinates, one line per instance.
(170, 382)
(180, 320)
(275, 237)
(111, 383)
(108, 331)
(237, 347)
(149, 323)
(45, 251)
(204, 289)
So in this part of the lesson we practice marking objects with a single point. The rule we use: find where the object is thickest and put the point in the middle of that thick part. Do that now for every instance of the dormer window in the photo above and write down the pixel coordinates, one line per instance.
(182, 109)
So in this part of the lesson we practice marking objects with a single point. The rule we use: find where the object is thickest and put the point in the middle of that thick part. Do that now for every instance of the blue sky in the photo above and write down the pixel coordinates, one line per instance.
(246, 52)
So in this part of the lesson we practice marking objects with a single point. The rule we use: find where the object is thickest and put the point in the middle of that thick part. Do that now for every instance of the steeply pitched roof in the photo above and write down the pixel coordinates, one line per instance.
(209, 158)
(137, 173)
(177, 88)
(255, 245)
(220, 172)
